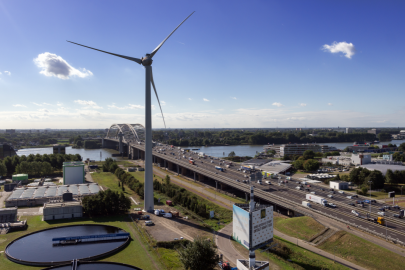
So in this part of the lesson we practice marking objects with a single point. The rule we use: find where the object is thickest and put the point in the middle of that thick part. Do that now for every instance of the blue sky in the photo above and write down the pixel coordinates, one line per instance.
(232, 64)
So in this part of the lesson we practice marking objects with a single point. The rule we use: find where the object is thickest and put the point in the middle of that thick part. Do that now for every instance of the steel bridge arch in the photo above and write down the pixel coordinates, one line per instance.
(133, 133)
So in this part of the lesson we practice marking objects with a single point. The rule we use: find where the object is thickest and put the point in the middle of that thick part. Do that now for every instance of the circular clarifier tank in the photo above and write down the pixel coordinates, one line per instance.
(40, 248)
(95, 266)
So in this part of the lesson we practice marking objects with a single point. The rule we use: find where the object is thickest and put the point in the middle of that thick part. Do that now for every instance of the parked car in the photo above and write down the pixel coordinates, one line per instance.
(332, 205)
(341, 192)
(149, 223)
(313, 192)
(330, 195)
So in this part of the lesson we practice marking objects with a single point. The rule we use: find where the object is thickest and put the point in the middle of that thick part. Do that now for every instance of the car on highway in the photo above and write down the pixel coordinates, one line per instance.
(237, 180)
(381, 213)
(330, 195)
(332, 192)
(352, 204)
(341, 192)
(307, 189)
(387, 207)
(332, 205)
(322, 189)
(298, 188)
(381, 209)
(355, 213)
(396, 207)
(313, 192)
(355, 196)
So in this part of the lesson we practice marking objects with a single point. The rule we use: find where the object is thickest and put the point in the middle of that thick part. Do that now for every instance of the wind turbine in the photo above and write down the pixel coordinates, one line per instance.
(147, 63)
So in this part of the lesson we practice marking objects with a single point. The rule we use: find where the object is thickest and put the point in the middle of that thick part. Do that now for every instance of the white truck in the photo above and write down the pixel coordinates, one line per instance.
(316, 199)
(306, 204)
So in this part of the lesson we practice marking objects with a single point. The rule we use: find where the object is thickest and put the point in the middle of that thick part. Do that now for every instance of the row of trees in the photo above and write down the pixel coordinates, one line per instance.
(106, 203)
(182, 196)
(237, 137)
(55, 161)
(35, 168)
(129, 180)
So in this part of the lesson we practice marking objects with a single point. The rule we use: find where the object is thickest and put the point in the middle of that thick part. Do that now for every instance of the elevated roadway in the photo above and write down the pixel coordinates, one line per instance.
(284, 195)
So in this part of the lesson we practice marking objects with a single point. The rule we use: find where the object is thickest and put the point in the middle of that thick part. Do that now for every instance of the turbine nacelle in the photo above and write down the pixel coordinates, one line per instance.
(147, 60)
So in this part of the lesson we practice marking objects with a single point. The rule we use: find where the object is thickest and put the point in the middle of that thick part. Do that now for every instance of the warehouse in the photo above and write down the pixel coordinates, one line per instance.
(31, 196)
(8, 215)
(67, 208)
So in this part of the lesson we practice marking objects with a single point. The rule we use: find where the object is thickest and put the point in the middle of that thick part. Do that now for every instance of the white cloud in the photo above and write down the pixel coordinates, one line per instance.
(59, 104)
(190, 99)
(303, 104)
(233, 97)
(7, 73)
(54, 65)
(347, 49)
(205, 99)
(88, 104)
(37, 104)
(330, 104)
(130, 107)
(19, 105)
(163, 103)
(278, 104)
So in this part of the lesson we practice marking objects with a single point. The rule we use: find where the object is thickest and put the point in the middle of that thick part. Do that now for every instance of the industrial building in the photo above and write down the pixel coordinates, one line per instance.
(360, 159)
(67, 208)
(275, 167)
(348, 130)
(297, 149)
(373, 131)
(59, 149)
(73, 172)
(32, 196)
(8, 215)
(339, 185)
(383, 168)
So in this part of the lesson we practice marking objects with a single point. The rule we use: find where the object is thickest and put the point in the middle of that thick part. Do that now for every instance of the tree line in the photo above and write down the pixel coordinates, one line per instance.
(36, 165)
(182, 196)
(237, 137)
(106, 203)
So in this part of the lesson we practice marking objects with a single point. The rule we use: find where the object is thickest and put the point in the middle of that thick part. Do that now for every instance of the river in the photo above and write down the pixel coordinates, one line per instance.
(216, 151)
(92, 154)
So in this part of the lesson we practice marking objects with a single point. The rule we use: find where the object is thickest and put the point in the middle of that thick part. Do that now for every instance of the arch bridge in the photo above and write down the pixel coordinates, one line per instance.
(130, 133)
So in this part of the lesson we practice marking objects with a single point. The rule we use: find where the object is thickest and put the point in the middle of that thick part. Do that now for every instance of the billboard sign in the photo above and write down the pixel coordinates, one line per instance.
(262, 226)
(241, 226)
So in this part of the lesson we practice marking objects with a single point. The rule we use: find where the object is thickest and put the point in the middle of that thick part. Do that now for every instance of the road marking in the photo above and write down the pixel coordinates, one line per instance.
(134, 201)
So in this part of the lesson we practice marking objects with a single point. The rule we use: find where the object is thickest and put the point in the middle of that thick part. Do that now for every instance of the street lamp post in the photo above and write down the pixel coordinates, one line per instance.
(370, 195)
(386, 230)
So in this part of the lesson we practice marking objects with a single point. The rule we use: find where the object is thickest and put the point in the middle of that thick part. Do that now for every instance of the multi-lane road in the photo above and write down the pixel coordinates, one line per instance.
(286, 194)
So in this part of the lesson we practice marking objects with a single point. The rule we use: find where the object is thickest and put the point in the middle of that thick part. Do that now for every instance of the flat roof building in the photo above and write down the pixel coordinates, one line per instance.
(31, 196)
(339, 185)
(73, 172)
(383, 168)
(298, 149)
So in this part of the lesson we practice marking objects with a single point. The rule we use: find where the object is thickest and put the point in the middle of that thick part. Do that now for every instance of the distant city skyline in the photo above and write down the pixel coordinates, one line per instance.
(247, 65)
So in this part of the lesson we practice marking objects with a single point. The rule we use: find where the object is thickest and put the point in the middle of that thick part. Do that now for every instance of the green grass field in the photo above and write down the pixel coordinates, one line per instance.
(362, 252)
(288, 256)
(124, 256)
(299, 227)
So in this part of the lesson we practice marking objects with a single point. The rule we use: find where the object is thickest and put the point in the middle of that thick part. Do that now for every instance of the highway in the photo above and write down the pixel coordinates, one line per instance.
(285, 194)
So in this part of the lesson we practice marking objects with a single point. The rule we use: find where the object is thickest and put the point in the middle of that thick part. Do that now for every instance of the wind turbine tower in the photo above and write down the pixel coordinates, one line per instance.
(147, 63)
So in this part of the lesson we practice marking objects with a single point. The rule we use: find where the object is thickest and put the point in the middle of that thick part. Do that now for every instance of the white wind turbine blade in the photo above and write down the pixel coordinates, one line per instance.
(161, 44)
(154, 88)
(139, 61)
